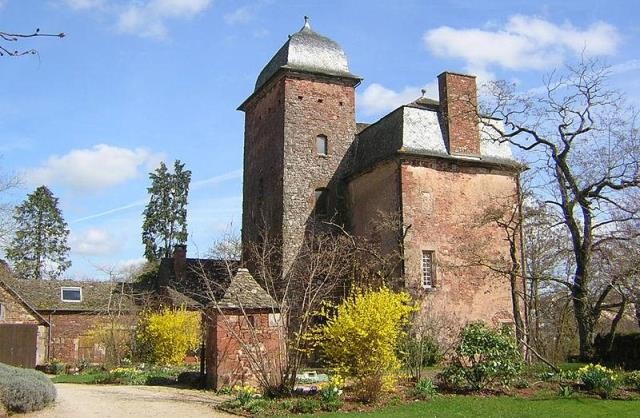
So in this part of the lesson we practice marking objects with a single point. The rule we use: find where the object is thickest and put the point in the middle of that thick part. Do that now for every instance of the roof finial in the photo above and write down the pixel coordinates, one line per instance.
(424, 92)
(307, 24)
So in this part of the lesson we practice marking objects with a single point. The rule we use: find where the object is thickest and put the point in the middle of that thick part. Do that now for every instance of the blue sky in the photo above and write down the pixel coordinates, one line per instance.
(137, 82)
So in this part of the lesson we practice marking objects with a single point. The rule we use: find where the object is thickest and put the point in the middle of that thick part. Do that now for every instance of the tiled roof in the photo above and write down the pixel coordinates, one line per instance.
(45, 295)
(203, 280)
(245, 293)
(207, 282)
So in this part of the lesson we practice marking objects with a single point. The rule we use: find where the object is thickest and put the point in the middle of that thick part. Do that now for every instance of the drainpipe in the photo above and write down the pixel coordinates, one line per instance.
(49, 339)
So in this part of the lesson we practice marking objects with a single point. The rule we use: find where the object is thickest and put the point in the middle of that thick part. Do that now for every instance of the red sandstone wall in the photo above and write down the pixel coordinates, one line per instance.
(263, 164)
(228, 362)
(68, 337)
(442, 202)
(314, 107)
(15, 312)
(374, 197)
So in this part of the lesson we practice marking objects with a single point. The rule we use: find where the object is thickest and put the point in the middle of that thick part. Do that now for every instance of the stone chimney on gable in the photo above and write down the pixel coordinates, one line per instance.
(180, 260)
(459, 106)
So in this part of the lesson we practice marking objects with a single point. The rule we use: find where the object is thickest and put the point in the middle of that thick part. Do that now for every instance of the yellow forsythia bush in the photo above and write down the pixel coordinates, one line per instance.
(169, 335)
(361, 337)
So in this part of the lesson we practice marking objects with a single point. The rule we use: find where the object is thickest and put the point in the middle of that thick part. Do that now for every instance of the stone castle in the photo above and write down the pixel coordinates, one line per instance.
(428, 162)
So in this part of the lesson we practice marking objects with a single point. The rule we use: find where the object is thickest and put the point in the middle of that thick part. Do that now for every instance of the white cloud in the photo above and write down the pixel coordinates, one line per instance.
(93, 242)
(239, 16)
(85, 4)
(148, 19)
(95, 168)
(377, 99)
(525, 42)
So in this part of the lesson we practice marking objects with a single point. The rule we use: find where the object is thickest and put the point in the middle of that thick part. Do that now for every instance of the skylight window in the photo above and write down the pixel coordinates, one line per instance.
(71, 294)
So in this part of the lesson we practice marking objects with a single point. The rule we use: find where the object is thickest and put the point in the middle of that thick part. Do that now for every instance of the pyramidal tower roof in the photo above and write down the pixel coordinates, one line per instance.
(307, 51)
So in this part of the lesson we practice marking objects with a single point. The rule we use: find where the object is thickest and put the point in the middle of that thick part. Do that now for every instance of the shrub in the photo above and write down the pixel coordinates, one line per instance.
(125, 376)
(425, 389)
(624, 351)
(483, 357)
(245, 394)
(598, 379)
(256, 406)
(192, 379)
(361, 339)
(305, 406)
(633, 379)
(169, 335)
(565, 391)
(418, 352)
(331, 394)
(24, 390)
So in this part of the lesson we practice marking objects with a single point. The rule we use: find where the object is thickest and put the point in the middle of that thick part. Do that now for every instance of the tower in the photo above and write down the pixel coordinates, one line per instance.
(299, 126)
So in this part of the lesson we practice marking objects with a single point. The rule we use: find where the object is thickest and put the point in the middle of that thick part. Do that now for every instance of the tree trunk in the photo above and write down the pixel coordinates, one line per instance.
(585, 322)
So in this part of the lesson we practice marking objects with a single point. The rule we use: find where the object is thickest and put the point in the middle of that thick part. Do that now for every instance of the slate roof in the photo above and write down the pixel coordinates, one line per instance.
(244, 292)
(203, 279)
(212, 282)
(307, 51)
(45, 295)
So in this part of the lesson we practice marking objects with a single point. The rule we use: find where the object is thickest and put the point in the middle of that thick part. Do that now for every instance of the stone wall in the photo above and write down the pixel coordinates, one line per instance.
(314, 106)
(282, 167)
(229, 339)
(374, 199)
(14, 311)
(69, 336)
(263, 164)
(443, 202)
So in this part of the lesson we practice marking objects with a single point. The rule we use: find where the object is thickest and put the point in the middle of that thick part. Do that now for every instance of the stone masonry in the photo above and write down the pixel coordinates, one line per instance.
(426, 162)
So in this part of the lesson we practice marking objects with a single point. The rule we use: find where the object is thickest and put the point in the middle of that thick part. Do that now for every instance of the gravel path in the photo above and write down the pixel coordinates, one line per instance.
(85, 401)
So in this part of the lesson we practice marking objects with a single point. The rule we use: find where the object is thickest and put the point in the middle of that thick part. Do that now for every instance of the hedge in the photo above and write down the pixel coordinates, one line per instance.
(24, 390)
(625, 351)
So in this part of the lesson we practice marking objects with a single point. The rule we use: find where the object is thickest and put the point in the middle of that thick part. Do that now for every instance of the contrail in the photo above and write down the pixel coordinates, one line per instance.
(217, 179)
(195, 185)
(110, 211)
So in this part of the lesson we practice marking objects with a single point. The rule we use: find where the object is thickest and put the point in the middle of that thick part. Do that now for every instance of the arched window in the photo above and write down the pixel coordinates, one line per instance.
(322, 146)
(321, 207)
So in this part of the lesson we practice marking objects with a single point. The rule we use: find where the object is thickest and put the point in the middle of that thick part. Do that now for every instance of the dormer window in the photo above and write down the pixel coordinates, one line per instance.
(71, 294)
(322, 147)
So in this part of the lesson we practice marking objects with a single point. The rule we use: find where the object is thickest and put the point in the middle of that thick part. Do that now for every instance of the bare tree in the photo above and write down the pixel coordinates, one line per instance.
(584, 140)
(502, 214)
(9, 38)
(327, 263)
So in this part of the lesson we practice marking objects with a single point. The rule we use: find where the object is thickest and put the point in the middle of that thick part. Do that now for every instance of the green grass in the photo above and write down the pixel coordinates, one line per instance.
(571, 366)
(473, 406)
(90, 378)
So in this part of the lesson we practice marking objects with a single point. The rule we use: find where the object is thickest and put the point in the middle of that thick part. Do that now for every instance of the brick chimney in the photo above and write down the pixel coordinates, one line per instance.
(459, 104)
(179, 260)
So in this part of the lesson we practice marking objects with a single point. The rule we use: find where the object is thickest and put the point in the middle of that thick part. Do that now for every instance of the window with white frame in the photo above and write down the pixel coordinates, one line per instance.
(428, 271)
(322, 145)
(71, 294)
(2, 313)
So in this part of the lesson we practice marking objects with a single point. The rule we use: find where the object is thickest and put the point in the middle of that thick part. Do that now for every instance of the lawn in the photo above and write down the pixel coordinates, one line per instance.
(79, 378)
(466, 406)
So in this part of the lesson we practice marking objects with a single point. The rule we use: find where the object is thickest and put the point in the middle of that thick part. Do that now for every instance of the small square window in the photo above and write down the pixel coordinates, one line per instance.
(322, 145)
(71, 294)
(427, 269)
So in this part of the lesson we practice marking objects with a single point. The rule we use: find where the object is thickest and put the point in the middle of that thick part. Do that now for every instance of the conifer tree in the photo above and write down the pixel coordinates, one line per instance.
(165, 216)
(39, 249)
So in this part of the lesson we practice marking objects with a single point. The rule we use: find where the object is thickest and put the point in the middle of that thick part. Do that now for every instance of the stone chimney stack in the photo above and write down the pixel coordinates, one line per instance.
(459, 104)
(179, 260)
